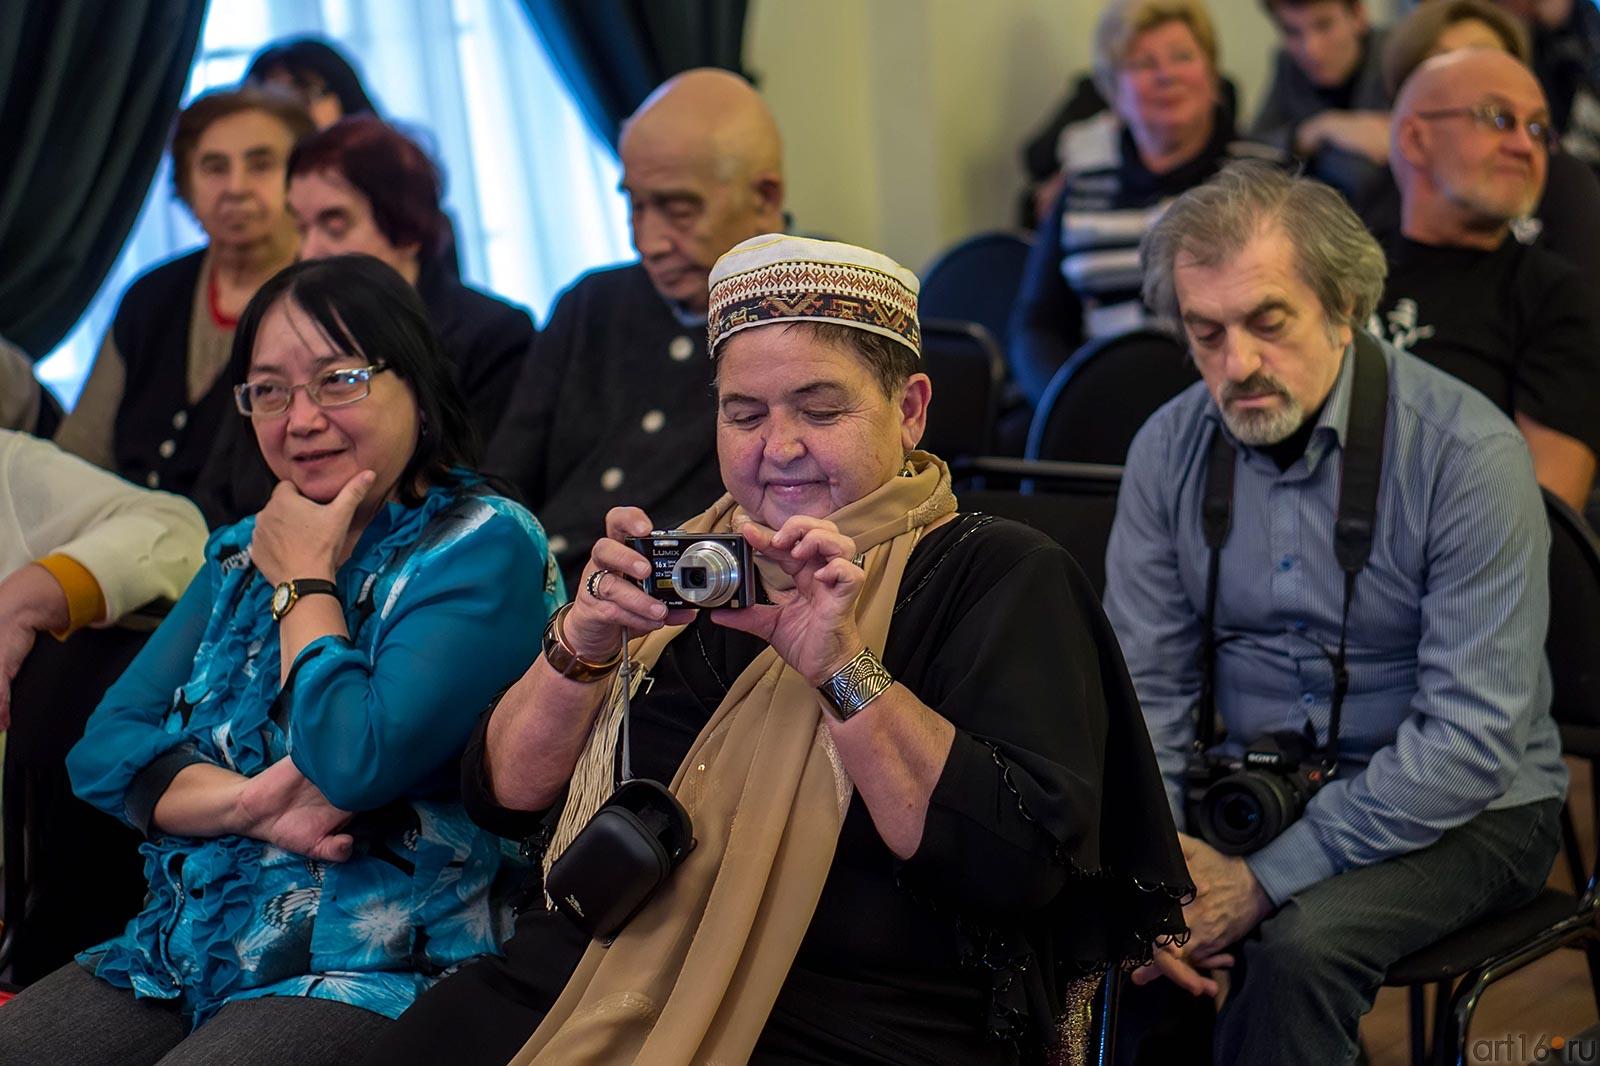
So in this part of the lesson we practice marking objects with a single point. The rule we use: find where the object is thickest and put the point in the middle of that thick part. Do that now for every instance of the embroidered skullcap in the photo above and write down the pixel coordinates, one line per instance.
(778, 278)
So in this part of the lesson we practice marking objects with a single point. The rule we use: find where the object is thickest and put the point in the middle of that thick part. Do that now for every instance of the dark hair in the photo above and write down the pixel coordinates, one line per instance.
(384, 165)
(891, 362)
(193, 121)
(1413, 37)
(368, 310)
(1271, 7)
(312, 63)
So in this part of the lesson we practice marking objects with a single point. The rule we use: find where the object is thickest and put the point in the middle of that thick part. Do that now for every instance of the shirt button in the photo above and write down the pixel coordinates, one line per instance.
(180, 420)
(1300, 627)
(558, 544)
(681, 348)
(153, 479)
(611, 480)
(1286, 563)
(653, 421)
(1307, 699)
(167, 448)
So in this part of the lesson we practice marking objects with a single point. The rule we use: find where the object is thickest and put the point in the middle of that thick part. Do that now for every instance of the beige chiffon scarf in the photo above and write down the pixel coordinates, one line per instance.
(693, 976)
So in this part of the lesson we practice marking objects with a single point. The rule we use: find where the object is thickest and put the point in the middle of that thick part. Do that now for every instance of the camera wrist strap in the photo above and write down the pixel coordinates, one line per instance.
(626, 681)
(1360, 470)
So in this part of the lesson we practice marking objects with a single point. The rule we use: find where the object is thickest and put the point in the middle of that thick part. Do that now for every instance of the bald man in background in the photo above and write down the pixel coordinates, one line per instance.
(1513, 320)
(616, 403)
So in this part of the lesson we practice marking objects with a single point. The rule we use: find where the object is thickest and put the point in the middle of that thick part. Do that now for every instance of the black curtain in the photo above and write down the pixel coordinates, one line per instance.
(88, 92)
(612, 53)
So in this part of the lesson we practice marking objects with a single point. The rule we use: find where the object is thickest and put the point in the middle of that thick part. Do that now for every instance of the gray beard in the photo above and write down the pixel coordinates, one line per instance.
(1258, 428)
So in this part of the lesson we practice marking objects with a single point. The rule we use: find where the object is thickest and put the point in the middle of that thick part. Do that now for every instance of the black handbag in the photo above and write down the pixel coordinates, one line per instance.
(626, 852)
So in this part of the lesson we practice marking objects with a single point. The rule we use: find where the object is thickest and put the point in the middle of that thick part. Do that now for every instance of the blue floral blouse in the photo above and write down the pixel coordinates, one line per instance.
(445, 603)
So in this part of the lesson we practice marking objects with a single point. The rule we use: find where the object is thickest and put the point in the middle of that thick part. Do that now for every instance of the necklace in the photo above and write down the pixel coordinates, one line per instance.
(715, 673)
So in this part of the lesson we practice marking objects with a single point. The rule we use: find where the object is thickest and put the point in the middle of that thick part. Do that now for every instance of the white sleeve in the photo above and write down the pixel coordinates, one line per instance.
(140, 545)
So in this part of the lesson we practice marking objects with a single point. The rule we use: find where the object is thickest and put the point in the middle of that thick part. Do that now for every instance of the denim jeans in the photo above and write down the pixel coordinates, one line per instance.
(1306, 976)
(1318, 963)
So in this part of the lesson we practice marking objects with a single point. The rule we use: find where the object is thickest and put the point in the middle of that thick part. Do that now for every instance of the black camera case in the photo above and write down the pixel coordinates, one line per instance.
(626, 852)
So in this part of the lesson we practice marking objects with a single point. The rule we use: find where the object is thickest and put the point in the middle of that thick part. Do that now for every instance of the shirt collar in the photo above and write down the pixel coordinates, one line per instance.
(1332, 423)
(687, 317)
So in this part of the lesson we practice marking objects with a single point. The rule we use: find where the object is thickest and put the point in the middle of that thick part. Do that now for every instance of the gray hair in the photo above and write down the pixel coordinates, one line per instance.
(1212, 223)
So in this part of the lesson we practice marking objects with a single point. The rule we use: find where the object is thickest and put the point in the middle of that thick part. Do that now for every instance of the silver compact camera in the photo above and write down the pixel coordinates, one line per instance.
(698, 569)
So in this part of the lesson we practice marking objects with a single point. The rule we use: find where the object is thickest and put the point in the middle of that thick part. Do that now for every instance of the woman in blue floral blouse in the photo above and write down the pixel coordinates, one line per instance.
(288, 740)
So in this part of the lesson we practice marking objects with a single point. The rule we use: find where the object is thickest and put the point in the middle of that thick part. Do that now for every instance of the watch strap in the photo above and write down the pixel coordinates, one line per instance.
(301, 587)
(855, 685)
(568, 663)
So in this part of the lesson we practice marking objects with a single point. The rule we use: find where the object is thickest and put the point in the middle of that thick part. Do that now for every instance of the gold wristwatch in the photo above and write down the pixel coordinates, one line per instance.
(289, 593)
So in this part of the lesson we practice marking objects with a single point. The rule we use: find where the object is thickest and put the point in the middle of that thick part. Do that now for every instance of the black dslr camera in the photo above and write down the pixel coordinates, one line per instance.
(1239, 804)
(698, 569)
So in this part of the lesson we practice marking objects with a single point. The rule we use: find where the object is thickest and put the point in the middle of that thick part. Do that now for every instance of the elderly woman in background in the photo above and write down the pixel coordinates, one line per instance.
(1167, 131)
(363, 186)
(152, 405)
(288, 740)
(918, 780)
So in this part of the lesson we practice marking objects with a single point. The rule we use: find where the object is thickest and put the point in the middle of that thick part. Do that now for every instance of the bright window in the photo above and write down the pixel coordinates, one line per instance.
(532, 192)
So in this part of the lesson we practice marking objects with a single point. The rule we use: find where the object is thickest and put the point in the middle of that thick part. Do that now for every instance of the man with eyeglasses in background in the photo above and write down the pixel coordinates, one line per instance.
(1470, 147)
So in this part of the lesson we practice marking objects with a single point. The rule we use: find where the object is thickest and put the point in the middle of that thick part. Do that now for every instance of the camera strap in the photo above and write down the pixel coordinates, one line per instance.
(1360, 469)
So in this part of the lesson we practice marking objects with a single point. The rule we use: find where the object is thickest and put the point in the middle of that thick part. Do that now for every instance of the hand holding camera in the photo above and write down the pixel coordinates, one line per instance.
(609, 598)
(813, 625)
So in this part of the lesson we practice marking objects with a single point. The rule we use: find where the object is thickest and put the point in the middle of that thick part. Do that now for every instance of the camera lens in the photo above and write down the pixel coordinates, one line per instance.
(1244, 811)
(1238, 815)
(706, 574)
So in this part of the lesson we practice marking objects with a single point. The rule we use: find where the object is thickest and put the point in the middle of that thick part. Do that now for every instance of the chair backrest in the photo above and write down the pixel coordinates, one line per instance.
(965, 366)
(1073, 504)
(1102, 395)
(977, 280)
(1573, 643)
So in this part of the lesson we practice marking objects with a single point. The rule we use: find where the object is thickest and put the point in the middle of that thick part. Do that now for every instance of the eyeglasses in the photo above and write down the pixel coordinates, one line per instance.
(1497, 118)
(331, 388)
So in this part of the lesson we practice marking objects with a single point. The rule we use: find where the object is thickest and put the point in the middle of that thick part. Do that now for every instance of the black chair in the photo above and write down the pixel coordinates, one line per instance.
(1462, 965)
(965, 366)
(1100, 397)
(1574, 643)
(73, 875)
(977, 280)
(1073, 504)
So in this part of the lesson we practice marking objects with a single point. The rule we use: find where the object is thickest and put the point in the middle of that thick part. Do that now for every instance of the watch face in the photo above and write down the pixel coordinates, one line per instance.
(280, 598)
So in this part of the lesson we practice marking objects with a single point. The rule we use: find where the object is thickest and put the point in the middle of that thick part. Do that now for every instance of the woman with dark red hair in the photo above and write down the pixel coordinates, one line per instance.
(363, 186)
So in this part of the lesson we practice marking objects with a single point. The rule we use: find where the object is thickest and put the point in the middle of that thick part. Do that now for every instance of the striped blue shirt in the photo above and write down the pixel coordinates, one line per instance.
(1448, 707)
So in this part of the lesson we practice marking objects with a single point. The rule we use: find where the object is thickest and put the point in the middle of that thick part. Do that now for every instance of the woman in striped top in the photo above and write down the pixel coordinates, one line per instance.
(1167, 131)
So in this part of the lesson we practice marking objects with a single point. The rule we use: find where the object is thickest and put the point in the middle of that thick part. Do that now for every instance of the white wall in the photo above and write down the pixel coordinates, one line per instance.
(904, 120)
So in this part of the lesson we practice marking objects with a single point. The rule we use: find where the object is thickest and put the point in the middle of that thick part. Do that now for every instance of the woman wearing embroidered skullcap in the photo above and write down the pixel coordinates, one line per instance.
(924, 802)
(288, 739)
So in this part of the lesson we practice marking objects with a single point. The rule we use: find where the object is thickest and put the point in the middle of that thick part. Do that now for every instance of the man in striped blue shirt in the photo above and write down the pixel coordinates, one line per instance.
(1448, 756)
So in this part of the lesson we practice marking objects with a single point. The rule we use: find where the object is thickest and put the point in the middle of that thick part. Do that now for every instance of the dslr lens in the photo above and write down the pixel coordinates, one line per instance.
(1238, 815)
(1244, 811)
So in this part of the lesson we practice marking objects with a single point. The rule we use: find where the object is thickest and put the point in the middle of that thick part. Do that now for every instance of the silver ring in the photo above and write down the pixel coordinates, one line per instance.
(592, 583)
